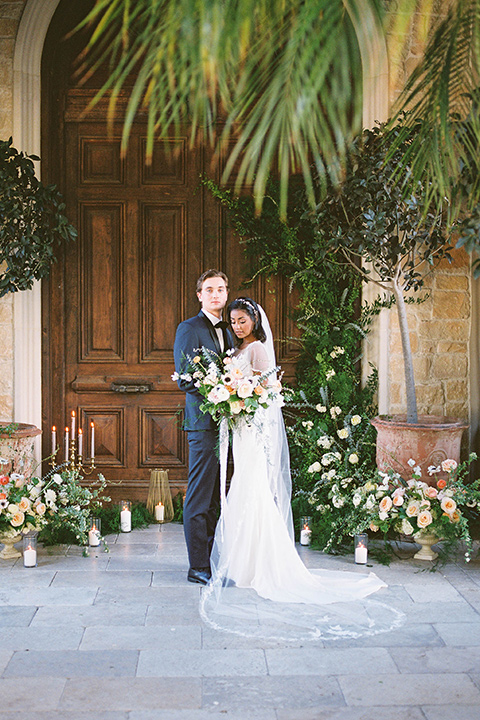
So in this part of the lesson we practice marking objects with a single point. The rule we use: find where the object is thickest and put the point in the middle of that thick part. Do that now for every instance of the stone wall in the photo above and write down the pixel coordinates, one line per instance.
(439, 334)
(10, 13)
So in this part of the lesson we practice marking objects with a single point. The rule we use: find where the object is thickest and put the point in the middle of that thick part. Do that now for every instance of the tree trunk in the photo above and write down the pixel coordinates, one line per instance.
(407, 353)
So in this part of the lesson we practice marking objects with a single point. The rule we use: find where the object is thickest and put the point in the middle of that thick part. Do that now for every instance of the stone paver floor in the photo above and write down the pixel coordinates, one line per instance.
(118, 636)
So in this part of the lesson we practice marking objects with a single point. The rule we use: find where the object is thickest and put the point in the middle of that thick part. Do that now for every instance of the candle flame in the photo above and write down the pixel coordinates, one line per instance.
(73, 413)
(54, 428)
(80, 431)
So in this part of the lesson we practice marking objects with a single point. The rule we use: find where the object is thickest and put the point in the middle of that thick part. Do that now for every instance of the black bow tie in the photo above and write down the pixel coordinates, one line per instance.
(222, 325)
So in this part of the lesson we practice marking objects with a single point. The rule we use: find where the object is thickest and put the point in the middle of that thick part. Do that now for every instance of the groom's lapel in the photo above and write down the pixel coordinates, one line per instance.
(212, 331)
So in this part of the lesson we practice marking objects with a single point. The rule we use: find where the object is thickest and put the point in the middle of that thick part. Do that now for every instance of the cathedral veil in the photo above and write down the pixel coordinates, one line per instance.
(260, 586)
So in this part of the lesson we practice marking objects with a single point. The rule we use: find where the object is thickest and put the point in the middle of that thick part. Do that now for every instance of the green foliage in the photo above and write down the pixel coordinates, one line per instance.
(331, 323)
(32, 223)
(71, 505)
(177, 501)
(374, 217)
(8, 429)
(110, 517)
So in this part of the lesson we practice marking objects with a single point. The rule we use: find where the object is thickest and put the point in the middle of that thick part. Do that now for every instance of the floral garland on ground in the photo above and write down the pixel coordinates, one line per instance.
(333, 450)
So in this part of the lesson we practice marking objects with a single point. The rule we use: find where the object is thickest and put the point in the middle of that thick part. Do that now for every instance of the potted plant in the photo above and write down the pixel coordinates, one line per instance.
(32, 223)
(381, 228)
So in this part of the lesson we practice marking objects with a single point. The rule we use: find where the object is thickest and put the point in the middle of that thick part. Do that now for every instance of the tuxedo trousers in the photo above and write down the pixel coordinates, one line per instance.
(202, 499)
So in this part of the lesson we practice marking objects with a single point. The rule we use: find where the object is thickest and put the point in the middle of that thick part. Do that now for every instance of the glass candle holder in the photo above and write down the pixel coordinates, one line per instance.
(95, 532)
(30, 550)
(361, 549)
(125, 515)
(305, 530)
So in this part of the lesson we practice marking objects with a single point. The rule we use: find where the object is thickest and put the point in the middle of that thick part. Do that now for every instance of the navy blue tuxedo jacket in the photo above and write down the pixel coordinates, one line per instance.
(194, 333)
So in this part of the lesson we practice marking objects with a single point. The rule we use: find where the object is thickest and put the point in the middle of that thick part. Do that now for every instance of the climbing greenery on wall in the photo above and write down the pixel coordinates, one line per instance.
(332, 322)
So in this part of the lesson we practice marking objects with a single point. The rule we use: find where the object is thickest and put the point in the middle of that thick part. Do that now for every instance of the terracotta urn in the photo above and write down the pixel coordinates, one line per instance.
(429, 441)
(17, 449)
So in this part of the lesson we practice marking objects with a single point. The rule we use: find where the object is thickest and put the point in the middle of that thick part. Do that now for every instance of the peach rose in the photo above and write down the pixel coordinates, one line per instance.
(24, 504)
(385, 504)
(412, 508)
(424, 519)
(431, 492)
(449, 465)
(40, 508)
(398, 500)
(17, 519)
(448, 505)
(441, 484)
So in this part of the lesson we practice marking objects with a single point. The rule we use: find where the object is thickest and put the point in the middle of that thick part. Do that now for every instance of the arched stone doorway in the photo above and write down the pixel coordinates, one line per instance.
(27, 107)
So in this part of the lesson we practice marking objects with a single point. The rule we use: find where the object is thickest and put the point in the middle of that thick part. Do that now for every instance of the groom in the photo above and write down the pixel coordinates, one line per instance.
(202, 498)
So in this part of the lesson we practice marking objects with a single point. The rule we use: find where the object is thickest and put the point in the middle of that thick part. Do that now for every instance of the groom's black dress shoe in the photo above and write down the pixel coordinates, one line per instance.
(199, 575)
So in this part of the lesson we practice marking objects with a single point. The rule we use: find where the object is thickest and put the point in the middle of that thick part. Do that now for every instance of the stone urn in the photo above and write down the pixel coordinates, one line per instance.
(16, 449)
(429, 441)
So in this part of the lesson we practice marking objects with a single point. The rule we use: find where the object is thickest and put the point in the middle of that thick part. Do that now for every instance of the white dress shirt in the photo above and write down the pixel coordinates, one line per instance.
(214, 320)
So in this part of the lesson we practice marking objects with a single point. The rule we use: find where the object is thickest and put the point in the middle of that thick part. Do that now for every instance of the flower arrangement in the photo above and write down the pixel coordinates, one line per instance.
(413, 506)
(35, 504)
(332, 451)
(24, 502)
(227, 391)
(71, 504)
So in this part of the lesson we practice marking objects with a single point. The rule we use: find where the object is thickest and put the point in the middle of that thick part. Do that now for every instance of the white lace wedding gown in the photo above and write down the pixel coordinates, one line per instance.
(260, 585)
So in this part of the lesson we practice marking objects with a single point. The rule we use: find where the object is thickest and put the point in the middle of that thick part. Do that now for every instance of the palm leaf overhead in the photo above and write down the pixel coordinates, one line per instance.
(277, 84)
(440, 96)
(282, 76)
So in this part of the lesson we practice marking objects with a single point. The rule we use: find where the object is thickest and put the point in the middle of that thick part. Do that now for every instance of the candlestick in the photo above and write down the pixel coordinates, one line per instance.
(92, 440)
(159, 512)
(80, 443)
(94, 533)
(361, 551)
(125, 516)
(54, 439)
(67, 443)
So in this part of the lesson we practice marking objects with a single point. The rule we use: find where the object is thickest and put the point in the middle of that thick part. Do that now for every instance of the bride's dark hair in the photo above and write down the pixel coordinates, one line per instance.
(250, 307)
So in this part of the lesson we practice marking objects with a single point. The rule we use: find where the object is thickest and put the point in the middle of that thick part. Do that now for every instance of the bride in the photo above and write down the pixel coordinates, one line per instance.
(260, 586)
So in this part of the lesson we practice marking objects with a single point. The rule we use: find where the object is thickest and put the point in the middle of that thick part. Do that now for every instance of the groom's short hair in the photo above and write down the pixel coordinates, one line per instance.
(210, 274)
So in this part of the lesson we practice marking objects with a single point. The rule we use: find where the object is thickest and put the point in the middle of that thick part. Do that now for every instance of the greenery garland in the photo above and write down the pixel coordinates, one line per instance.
(328, 394)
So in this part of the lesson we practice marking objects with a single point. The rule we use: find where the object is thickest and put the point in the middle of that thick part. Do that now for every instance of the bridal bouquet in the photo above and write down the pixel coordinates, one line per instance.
(227, 391)
(412, 506)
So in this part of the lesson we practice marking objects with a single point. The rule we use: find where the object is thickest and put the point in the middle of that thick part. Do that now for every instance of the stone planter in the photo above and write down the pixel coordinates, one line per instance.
(17, 449)
(429, 441)
(426, 540)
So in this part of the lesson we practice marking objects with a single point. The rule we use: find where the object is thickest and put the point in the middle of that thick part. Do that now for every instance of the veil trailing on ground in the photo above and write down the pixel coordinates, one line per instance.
(260, 587)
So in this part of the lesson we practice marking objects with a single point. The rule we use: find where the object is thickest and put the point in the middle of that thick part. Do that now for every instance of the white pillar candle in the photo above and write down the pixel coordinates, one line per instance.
(29, 557)
(67, 443)
(305, 536)
(125, 520)
(159, 512)
(361, 554)
(92, 440)
(54, 439)
(73, 424)
(80, 443)
(93, 537)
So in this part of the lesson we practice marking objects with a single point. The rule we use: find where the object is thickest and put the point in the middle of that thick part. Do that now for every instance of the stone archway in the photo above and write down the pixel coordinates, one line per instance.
(29, 44)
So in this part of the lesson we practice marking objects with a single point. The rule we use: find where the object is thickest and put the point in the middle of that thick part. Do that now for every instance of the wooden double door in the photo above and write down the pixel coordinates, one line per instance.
(146, 231)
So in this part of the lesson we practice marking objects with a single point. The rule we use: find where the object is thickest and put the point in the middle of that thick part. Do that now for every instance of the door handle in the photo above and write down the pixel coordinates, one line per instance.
(131, 388)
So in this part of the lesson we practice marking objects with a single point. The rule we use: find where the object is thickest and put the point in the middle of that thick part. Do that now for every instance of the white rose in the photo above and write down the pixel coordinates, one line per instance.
(58, 479)
(412, 508)
(353, 458)
(321, 408)
(315, 467)
(343, 433)
(356, 420)
(357, 499)
(236, 407)
(338, 502)
(407, 527)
